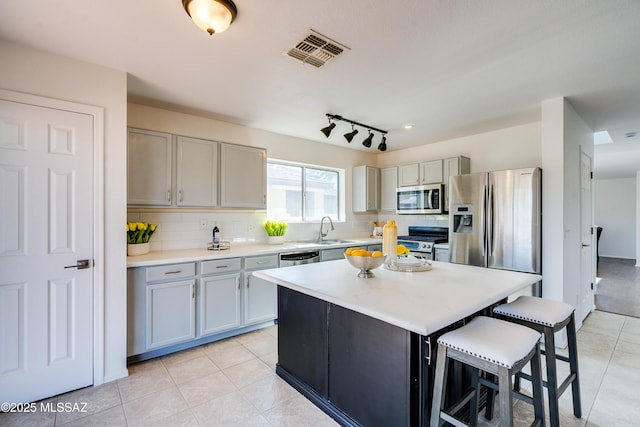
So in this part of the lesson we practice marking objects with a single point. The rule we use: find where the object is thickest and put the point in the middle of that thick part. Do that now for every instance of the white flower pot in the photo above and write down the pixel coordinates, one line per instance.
(134, 249)
(275, 240)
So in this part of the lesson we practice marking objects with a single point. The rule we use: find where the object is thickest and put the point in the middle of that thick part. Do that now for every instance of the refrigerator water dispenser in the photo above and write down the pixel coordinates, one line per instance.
(463, 219)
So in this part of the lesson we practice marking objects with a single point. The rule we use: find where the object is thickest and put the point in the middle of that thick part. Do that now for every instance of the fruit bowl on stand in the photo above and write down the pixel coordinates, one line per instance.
(365, 263)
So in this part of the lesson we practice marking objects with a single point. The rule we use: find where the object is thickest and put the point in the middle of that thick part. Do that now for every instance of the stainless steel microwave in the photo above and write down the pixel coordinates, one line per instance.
(421, 199)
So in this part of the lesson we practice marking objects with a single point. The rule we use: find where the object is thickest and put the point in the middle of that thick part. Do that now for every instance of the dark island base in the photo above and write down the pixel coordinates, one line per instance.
(359, 370)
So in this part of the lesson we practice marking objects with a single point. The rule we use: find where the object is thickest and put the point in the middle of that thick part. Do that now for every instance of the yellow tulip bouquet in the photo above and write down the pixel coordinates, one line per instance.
(140, 232)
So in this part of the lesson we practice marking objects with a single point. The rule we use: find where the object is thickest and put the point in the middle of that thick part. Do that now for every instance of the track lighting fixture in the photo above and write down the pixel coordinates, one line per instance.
(350, 135)
(383, 144)
(367, 141)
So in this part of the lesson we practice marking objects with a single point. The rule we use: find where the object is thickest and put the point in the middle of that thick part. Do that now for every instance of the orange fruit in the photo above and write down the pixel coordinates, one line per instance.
(376, 254)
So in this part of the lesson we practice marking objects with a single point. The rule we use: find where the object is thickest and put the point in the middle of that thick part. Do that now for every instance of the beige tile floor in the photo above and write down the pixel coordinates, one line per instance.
(232, 383)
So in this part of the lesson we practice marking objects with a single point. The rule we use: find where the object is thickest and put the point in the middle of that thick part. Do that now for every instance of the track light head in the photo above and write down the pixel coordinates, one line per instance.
(383, 144)
(349, 136)
(327, 130)
(367, 141)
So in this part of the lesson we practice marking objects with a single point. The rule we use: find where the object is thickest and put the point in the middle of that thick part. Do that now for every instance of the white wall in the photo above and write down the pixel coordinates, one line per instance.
(563, 135)
(510, 148)
(31, 71)
(615, 212)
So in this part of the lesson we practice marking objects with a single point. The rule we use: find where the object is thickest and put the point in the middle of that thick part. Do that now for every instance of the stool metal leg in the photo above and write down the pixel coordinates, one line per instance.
(475, 400)
(573, 366)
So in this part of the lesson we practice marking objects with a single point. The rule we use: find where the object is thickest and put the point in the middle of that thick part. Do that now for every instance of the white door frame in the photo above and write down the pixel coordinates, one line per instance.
(98, 211)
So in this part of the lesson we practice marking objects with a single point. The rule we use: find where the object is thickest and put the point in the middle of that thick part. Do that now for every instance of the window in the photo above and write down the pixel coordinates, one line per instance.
(297, 192)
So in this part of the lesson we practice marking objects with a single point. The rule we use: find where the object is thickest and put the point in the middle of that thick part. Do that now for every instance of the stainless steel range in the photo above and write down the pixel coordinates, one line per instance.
(420, 240)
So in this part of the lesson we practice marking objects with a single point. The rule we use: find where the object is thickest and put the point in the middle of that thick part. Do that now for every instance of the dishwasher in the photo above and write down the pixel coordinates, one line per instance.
(297, 258)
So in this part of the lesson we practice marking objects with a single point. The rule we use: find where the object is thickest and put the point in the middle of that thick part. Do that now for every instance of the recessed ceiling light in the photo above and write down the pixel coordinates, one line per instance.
(601, 137)
(408, 127)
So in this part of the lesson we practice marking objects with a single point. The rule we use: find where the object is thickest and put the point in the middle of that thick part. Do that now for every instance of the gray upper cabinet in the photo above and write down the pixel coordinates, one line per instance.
(455, 166)
(149, 168)
(388, 185)
(409, 175)
(243, 177)
(196, 172)
(180, 171)
(365, 189)
(431, 172)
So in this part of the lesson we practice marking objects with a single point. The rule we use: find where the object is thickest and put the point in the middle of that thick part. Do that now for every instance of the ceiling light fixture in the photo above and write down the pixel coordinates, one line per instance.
(213, 16)
(327, 130)
(350, 135)
(367, 141)
(383, 144)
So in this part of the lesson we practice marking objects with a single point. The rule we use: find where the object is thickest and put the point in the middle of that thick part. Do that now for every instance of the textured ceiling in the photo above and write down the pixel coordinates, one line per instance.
(449, 68)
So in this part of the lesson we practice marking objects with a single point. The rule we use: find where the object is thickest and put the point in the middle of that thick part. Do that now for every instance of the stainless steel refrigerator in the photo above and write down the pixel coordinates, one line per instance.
(495, 220)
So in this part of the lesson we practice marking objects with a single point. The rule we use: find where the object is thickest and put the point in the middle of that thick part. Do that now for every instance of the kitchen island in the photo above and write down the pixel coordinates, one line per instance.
(363, 350)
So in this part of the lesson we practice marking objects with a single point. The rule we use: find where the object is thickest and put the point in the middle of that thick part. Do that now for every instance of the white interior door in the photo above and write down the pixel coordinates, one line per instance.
(587, 267)
(46, 228)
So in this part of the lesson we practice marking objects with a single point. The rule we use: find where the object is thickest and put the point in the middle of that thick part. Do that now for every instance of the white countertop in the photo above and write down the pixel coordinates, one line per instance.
(422, 302)
(236, 250)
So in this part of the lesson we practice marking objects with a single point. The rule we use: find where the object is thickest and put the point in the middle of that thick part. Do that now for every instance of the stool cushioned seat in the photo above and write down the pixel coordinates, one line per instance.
(493, 340)
(536, 310)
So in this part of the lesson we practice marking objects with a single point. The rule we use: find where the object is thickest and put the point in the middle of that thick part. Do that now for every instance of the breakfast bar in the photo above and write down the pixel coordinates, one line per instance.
(363, 350)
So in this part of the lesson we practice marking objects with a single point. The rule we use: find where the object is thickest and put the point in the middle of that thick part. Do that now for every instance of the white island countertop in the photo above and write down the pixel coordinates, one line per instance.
(422, 302)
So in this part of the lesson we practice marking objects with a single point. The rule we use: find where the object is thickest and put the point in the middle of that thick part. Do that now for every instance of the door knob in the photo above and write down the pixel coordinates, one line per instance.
(80, 265)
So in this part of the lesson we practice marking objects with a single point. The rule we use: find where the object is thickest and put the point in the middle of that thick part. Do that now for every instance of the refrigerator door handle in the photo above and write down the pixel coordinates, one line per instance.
(490, 222)
(483, 226)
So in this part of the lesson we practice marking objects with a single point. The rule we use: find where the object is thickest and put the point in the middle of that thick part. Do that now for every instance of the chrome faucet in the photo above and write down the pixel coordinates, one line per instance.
(322, 235)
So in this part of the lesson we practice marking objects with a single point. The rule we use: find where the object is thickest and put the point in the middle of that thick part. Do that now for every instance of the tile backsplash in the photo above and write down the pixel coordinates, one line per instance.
(182, 230)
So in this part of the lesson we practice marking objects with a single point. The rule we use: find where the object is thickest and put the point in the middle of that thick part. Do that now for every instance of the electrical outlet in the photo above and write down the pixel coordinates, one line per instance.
(203, 224)
(251, 227)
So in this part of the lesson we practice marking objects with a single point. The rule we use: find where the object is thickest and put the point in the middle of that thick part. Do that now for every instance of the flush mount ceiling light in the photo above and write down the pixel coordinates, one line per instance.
(350, 135)
(213, 16)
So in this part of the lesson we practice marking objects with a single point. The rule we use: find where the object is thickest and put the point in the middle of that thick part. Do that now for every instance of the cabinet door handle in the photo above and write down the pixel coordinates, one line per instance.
(173, 272)
(168, 195)
(193, 291)
(180, 195)
(262, 262)
(222, 266)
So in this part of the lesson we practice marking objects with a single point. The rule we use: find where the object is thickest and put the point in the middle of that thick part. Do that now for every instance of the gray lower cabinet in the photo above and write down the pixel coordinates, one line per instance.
(170, 313)
(161, 306)
(176, 306)
(260, 296)
(220, 305)
(331, 254)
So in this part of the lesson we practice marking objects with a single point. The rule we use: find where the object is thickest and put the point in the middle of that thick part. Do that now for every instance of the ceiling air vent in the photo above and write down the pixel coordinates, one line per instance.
(316, 49)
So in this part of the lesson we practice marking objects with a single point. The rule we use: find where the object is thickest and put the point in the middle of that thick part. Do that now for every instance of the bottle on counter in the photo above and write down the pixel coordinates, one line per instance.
(390, 239)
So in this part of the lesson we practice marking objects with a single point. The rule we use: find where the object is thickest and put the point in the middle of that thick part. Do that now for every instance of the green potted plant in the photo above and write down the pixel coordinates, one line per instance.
(138, 235)
(275, 231)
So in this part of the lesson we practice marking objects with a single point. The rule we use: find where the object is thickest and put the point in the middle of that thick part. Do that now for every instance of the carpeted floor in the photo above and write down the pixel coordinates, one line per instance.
(619, 290)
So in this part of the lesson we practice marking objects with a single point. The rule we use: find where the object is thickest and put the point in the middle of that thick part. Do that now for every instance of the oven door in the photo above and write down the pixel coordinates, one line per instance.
(426, 255)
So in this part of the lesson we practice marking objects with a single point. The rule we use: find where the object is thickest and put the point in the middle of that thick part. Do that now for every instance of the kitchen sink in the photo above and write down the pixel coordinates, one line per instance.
(334, 242)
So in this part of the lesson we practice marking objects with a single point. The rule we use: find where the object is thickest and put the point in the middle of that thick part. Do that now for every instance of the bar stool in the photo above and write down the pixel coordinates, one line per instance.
(496, 347)
(547, 316)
